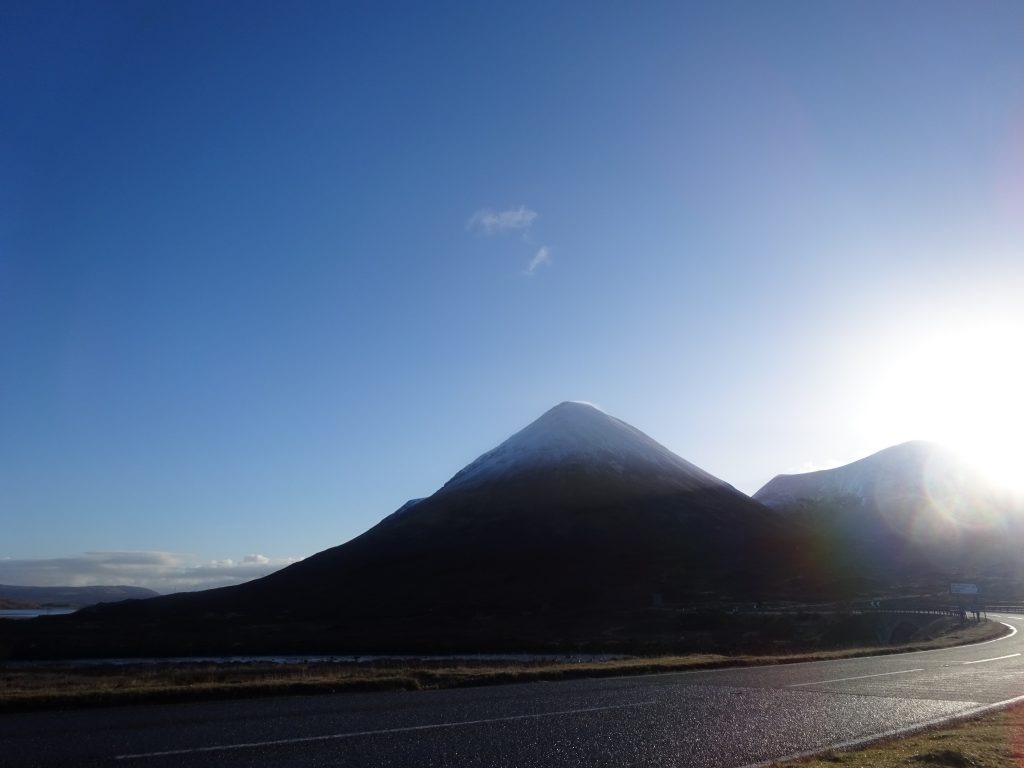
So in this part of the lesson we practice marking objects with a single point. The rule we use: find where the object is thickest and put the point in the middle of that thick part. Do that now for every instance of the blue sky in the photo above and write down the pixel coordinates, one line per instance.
(268, 270)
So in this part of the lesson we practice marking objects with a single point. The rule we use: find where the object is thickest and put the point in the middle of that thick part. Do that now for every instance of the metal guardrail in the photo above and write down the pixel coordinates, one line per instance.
(946, 610)
(929, 610)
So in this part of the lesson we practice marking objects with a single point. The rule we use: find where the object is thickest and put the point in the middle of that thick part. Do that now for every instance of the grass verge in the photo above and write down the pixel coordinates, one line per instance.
(994, 740)
(57, 687)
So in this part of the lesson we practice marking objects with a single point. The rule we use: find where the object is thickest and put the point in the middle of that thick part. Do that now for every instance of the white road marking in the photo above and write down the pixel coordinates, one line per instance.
(997, 658)
(354, 734)
(1013, 631)
(858, 677)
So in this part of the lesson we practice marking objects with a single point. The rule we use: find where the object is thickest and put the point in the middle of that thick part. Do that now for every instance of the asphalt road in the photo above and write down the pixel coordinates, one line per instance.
(736, 717)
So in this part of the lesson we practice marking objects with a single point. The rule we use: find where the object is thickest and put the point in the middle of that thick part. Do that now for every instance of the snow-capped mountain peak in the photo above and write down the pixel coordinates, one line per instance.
(580, 435)
(915, 467)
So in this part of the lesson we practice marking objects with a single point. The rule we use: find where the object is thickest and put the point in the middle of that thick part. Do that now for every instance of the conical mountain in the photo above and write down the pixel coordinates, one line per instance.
(574, 455)
(575, 524)
(578, 510)
(578, 436)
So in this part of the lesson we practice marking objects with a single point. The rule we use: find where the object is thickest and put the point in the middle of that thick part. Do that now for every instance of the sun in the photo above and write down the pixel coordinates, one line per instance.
(962, 386)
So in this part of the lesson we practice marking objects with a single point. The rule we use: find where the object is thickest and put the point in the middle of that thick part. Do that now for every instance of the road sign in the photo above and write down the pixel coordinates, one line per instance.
(963, 589)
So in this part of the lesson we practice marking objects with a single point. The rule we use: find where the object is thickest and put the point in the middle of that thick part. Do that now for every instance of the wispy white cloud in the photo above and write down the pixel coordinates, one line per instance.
(491, 222)
(161, 571)
(540, 258)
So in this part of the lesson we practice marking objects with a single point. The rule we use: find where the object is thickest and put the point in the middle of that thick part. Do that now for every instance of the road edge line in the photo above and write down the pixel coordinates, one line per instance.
(894, 733)
(1011, 633)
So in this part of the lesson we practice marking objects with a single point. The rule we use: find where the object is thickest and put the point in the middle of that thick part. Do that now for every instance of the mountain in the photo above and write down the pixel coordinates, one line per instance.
(75, 597)
(913, 509)
(566, 533)
(577, 509)
(911, 469)
(576, 435)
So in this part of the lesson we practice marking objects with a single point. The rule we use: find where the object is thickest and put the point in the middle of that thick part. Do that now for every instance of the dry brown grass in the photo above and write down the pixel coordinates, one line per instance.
(55, 686)
(992, 741)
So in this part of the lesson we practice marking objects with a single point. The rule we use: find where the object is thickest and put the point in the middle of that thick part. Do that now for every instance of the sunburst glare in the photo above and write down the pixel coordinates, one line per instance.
(964, 387)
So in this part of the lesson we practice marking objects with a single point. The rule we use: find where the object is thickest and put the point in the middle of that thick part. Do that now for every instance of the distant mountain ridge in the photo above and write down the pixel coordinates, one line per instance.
(76, 597)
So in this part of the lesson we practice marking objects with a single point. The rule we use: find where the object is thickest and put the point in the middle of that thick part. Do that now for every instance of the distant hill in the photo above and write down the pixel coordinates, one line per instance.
(76, 597)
